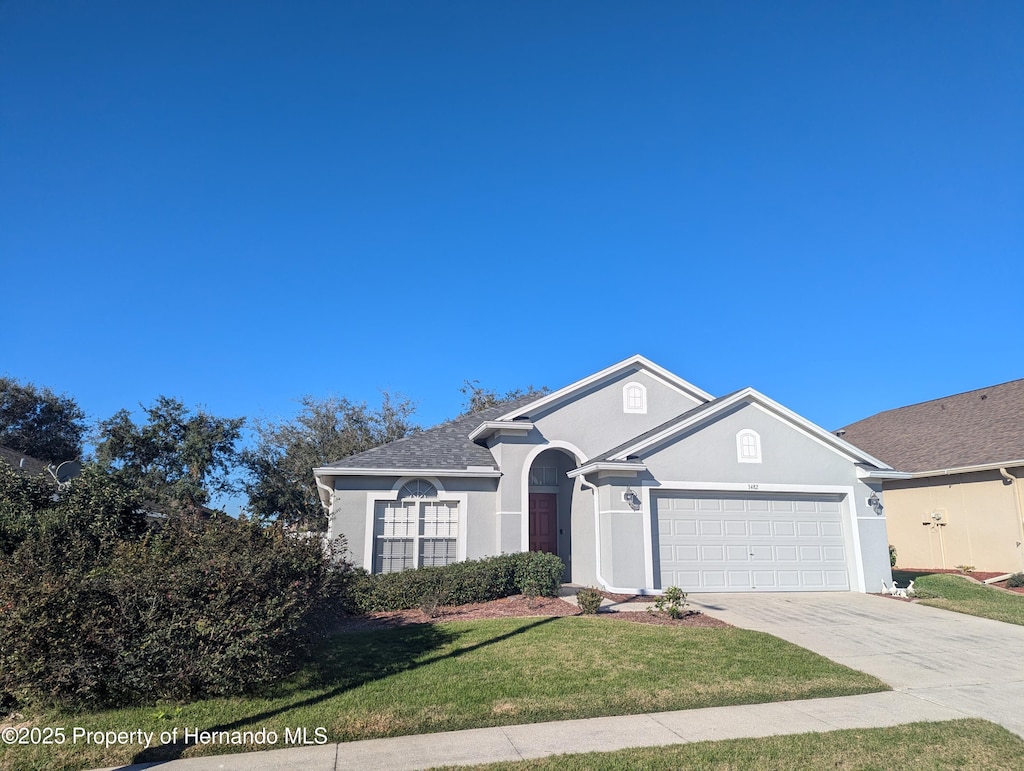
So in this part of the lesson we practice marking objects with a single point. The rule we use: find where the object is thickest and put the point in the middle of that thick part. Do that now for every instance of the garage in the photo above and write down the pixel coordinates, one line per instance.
(739, 543)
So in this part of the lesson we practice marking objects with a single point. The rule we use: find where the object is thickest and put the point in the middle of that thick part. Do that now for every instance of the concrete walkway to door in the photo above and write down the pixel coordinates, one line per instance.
(973, 665)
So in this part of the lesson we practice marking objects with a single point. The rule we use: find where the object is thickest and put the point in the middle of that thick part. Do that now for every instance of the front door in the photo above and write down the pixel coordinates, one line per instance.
(544, 522)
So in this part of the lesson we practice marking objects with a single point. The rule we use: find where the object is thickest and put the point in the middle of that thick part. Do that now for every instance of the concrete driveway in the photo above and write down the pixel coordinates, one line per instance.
(970, 664)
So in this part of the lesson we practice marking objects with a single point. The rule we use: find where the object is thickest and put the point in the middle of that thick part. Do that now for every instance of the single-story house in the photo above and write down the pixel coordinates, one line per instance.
(962, 503)
(636, 478)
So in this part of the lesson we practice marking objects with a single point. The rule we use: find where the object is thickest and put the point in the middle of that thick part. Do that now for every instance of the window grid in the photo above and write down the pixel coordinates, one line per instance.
(415, 532)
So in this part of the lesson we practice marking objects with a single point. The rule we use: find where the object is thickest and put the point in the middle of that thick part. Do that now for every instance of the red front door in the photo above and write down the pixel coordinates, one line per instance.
(544, 522)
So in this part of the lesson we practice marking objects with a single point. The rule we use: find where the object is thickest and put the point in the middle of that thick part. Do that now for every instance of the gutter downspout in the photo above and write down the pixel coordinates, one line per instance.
(597, 540)
(327, 506)
(1020, 508)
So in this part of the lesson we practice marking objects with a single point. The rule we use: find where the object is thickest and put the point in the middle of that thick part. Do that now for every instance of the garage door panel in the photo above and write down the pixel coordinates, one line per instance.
(737, 553)
(738, 543)
(735, 527)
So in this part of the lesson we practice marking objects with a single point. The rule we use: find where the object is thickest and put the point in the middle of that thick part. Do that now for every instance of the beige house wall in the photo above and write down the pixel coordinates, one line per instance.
(982, 514)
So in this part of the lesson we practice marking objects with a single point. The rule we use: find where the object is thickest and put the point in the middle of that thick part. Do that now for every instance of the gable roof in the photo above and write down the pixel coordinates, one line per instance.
(444, 447)
(21, 462)
(974, 428)
(635, 362)
(673, 428)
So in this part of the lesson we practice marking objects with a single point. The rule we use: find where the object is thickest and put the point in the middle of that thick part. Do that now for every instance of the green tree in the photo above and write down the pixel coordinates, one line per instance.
(479, 398)
(177, 457)
(38, 422)
(280, 465)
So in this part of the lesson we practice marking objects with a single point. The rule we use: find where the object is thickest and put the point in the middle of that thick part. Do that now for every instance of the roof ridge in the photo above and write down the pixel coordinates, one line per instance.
(947, 396)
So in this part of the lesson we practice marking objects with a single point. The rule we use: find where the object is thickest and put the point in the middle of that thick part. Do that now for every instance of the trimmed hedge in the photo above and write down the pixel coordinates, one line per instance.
(530, 573)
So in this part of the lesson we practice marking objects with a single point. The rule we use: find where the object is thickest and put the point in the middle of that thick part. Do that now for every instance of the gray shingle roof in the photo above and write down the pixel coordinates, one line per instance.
(970, 429)
(22, 462)
(446, 446)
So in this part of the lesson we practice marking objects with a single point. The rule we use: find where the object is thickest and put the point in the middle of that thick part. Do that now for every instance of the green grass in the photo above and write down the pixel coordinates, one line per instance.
(957, 744)
(451, 676)
(953, 592)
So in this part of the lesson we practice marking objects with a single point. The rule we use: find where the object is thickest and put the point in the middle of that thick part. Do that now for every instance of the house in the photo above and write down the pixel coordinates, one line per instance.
(22, 463)
(637, 479)
(962, 503)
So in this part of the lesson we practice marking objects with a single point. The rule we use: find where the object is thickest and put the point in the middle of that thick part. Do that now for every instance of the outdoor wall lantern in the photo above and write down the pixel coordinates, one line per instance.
(632, 499)
(875, 503)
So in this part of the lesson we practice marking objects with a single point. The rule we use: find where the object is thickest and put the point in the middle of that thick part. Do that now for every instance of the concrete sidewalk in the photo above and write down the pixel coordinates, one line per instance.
(942, 665)
(538, 740)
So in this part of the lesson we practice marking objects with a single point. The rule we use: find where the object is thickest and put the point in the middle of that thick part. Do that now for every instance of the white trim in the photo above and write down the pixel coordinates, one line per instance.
(870, 473)
(636, 361)
(501, 427)
(963, 469)
(624, 467)
(740, 435)
(857, 581)
(749, 395)
(411, 472)
(642, 409)
(524, 489)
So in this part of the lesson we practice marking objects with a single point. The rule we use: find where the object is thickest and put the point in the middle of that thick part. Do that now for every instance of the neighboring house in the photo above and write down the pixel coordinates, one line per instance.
(21, 462)
(637, 479)
(962, 503)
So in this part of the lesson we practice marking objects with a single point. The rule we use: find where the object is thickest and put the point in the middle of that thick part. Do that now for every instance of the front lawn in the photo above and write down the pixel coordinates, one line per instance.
(471, 674)
(953, 592)
(954, 745)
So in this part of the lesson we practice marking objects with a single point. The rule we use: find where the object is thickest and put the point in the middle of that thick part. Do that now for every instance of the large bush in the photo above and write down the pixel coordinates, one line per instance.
(199, 609)
(531, 573)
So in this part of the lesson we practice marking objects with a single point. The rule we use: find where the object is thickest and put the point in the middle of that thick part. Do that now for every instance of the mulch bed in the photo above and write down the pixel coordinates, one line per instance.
(516, 606)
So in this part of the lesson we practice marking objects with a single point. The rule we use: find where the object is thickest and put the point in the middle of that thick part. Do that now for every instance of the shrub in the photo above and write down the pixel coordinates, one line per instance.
(529, 573)
(965, 568)
(200, 609)
(589, 600)
(892, 556)
(672, 601)
(1017, 579)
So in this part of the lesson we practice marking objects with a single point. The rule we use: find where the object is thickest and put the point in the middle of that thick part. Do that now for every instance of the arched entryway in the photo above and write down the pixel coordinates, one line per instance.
(549, 497)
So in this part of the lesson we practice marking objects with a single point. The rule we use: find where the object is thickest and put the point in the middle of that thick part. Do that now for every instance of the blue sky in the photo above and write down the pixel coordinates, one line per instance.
(239, 203)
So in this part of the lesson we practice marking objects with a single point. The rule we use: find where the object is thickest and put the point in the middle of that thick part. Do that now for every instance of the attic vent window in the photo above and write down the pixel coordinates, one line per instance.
(634, 398)
(748, 446)
(417, 488)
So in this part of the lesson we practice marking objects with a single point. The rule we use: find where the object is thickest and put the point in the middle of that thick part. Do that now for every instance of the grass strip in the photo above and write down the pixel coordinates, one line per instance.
(451, 676)
(953, 592)
(954, 744)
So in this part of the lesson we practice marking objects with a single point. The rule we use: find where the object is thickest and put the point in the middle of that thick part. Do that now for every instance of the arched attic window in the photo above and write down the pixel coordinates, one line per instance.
(748, 446)
(634, 398)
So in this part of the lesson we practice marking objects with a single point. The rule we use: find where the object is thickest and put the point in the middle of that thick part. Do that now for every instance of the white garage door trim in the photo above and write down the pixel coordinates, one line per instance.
(768, 538)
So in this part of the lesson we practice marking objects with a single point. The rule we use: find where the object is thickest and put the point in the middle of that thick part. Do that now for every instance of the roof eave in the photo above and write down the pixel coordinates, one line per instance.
(966, 469)
(598, 466)
(489, 427)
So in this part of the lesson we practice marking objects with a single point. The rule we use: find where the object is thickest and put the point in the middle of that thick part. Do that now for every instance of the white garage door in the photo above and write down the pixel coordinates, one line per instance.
(722, 543)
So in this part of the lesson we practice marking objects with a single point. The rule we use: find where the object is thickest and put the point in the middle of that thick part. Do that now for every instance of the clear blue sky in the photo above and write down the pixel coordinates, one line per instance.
(239, 203)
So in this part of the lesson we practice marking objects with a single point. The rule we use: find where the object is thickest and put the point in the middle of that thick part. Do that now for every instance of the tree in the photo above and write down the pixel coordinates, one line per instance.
(280, 466)
(38, 422)
(480, 398)
(177, 457)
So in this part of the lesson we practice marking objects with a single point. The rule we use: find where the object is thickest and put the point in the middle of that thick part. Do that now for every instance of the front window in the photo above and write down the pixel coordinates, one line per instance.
(418, 530)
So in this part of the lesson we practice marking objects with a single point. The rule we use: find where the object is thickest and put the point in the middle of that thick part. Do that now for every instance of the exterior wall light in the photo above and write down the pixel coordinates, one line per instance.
(632, 499)
(875, 503)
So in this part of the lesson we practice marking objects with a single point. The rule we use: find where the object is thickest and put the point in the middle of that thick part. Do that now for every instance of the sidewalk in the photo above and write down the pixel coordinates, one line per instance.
(537, 740)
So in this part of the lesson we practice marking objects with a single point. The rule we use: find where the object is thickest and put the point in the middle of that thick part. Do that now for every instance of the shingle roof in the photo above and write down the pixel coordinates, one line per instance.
(19, 461)
(970, 429)
(446, 446)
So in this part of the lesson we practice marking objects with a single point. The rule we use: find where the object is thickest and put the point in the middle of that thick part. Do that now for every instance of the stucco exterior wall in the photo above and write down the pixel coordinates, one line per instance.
(983, 519)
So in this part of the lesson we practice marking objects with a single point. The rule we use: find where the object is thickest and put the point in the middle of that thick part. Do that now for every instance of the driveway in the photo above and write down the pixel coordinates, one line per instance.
(971, 664)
